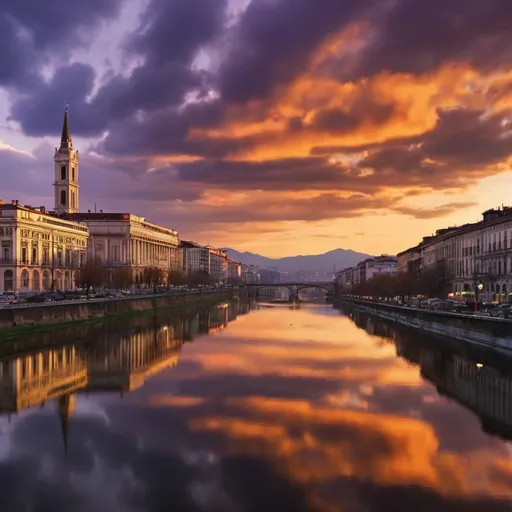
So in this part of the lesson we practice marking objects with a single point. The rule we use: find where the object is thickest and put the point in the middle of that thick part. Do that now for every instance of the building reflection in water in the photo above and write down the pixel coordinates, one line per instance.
(478, 379)
(114, 359)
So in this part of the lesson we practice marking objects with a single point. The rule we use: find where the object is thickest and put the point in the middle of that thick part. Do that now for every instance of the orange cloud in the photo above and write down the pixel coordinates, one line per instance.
(383, 449)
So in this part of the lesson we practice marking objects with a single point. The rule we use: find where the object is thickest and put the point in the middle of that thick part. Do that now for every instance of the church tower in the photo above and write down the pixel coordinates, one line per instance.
(66, 172)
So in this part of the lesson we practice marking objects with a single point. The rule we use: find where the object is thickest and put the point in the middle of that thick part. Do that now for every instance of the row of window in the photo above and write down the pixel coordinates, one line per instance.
(61, 280)
(5, 231)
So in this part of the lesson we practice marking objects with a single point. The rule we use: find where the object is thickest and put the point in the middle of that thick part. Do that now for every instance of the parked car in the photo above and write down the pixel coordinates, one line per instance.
(37, 299)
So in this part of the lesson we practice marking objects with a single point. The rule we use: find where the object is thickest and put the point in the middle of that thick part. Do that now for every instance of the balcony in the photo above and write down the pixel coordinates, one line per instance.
(7, 261)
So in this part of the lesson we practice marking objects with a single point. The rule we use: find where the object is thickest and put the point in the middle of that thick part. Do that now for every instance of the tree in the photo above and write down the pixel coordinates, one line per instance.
(122, 278)
(154, 276)
(176, 278)
(93, 274)
(198, 278)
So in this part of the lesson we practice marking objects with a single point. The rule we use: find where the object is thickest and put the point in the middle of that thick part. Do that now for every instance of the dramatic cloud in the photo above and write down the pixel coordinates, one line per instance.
(321, 110)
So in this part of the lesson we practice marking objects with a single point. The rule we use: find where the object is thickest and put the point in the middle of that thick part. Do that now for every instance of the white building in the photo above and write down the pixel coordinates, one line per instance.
(126, 240)
(39, 251)
(116, 239)
(203, 259)
(348, 279)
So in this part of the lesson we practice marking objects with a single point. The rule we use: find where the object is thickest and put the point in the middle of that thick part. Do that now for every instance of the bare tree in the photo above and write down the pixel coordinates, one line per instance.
(197, 278)
(122, 278)
(93, 275)
(154, 276)
(176, 278)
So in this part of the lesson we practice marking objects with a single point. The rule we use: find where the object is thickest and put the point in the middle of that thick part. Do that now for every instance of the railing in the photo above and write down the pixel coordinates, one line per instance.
(7, 261)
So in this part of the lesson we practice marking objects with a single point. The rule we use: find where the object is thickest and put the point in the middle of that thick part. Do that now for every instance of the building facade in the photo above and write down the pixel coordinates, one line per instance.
(350, 278)
(469, 258)
(234, 272)
(205, 260)
(39, 251)
(126, 240)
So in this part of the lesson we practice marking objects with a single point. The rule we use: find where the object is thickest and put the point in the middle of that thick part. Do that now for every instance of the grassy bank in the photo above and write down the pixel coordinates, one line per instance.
(9, 333)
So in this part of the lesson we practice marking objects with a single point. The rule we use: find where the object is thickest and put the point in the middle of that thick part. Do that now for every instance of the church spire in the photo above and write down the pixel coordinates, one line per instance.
(66, 406)
(65, 139)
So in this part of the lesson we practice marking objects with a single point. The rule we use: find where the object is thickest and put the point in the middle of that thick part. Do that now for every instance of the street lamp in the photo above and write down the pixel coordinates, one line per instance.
(478, 290)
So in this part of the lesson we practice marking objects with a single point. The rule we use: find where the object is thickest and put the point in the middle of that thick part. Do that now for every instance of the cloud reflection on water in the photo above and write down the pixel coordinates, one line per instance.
(283, 410)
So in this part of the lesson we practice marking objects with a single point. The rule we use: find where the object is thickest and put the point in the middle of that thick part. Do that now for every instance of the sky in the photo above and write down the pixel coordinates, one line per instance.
(280, 127)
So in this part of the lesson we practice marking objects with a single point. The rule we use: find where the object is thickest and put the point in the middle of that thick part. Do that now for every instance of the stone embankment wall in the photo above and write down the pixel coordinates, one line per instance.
(484, 331)
(84, 310)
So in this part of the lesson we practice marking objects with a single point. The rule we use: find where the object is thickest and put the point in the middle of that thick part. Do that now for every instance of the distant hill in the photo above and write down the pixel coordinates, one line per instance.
(341, 258)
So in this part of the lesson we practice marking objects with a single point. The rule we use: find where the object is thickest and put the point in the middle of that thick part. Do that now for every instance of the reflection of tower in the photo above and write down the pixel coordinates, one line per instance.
(66, 405)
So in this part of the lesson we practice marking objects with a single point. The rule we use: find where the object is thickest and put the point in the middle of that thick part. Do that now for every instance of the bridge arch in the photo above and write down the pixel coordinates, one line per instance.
(293, 288)
(275, 286)
(328, 289)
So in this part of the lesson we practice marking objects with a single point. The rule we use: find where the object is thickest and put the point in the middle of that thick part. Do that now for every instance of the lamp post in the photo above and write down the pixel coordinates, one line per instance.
(479, 287)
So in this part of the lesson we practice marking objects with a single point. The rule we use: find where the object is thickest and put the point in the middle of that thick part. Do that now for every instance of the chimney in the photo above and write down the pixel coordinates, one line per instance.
(42, 209)
(14, 202)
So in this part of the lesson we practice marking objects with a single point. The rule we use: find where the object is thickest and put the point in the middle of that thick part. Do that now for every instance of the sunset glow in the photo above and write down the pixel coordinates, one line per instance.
(301, 119)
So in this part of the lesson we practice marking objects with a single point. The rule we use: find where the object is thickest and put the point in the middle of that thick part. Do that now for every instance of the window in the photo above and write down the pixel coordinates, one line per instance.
(24, 279)
(63, 197)
(8, 280)
(24, 255)
(7, 253)
(63, 173)
(34, 256)
(73, 173)
(35, 281)
(73, 200)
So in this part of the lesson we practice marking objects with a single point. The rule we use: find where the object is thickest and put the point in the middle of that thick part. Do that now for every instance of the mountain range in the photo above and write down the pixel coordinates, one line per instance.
(339, 258)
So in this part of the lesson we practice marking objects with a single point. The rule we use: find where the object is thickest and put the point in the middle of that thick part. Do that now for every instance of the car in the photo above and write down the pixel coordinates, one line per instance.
(37, 299)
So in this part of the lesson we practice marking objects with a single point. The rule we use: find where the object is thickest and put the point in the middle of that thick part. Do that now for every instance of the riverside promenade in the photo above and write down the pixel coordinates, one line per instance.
(26, 317)
(488, 332)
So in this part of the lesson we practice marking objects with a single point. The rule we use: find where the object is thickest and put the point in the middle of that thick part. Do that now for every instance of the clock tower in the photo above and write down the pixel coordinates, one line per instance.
(66, 172)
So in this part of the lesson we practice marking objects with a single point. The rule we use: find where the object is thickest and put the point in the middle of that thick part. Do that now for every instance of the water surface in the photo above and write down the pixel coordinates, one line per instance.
(253, 408)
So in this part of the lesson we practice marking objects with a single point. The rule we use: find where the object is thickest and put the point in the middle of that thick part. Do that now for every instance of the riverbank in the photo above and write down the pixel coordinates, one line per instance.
(38, 318)
(488, 332)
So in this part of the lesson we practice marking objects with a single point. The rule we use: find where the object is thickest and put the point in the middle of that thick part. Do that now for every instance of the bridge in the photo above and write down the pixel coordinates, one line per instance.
(293, 287)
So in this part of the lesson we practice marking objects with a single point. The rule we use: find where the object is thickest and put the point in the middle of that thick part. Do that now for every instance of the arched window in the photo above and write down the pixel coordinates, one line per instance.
(35, 281)
(73, 173)
(24, 279)
(67, 280)
(46, 280)
(63, 197)
(63, 172)
(58, 280)
(8, 281)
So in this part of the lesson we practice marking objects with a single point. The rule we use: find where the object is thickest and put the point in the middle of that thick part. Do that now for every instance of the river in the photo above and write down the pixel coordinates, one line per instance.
(252, 407)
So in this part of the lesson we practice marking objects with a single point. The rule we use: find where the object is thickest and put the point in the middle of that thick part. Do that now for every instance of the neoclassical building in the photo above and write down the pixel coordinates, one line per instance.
(39, 251)
(44, 250)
